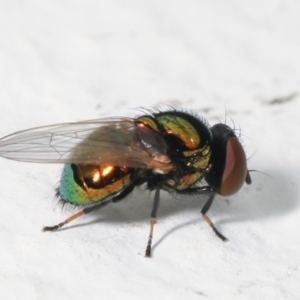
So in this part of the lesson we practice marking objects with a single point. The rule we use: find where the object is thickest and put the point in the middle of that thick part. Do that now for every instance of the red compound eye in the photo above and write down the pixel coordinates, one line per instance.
(235, 170)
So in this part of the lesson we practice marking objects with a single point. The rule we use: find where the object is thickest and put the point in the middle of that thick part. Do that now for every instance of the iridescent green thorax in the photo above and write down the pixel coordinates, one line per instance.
(188, 141)
(187, 136)
(182, 128)
(188, 128)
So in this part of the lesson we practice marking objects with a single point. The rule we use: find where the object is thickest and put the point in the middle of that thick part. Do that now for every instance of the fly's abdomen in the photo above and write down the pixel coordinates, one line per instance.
(88, 184)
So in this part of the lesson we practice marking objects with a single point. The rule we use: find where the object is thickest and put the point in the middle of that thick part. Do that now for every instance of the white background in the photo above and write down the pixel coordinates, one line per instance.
(74, 60)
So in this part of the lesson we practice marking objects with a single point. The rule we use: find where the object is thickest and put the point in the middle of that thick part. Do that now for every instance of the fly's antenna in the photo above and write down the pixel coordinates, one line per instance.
(261, 173)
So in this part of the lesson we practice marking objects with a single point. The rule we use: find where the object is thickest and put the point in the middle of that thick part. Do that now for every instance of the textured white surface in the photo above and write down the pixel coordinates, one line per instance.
(73, 60)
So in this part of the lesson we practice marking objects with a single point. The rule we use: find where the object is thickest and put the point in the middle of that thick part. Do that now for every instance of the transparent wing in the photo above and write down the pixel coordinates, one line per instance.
(104, 141)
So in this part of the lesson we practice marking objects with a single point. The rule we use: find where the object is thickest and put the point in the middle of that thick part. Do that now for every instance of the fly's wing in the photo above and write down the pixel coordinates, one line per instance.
(103, 141)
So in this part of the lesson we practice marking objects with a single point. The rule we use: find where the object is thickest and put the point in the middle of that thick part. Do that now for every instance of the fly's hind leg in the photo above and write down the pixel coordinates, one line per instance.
(87, 210)
(75, 216)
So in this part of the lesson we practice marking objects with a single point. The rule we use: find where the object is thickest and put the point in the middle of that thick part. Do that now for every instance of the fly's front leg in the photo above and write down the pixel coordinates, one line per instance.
(208, 220)
(75, 216)
(204, 210)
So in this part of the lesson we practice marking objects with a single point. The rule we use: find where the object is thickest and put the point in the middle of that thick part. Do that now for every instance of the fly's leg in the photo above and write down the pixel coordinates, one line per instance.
(204, 190)
(75, 216)
(87, 210)
(152, 222)
(208, 220)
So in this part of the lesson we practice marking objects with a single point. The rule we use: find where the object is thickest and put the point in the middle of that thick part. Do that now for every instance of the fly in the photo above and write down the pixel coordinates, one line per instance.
(106, 159)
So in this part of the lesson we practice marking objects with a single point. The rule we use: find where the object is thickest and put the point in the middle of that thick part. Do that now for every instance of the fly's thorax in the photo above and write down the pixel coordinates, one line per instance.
(181, 137)
(183, 132)
(177, 134)
(87, 184)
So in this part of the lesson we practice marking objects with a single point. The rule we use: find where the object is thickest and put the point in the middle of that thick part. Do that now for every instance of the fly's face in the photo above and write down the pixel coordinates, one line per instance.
(229, 163)
(105, 159)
